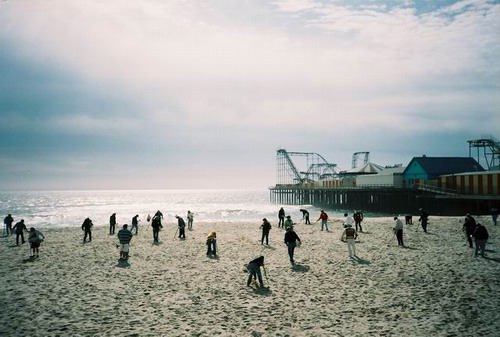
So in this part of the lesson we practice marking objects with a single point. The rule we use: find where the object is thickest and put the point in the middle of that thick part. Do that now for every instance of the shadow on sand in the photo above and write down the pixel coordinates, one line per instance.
(264, 291)
(123, 264)
(360, 261)
(300, 268)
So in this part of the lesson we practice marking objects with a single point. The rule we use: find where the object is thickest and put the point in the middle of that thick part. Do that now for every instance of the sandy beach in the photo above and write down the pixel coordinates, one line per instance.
(433, 287)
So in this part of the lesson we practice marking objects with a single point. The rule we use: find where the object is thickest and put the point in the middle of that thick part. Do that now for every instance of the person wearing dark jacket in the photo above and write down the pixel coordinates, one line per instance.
(87, 227)
(481, 236)
(469, 228)
(291, 239)
(424, 219)
(35, 238)
(305, 216)
(266, 227)
(8, 220)
(156, 224)
(254, 270)
(281, 217)
(135, 224)
(112, 224)
(182, 227)
(19, 229)
(124, 236)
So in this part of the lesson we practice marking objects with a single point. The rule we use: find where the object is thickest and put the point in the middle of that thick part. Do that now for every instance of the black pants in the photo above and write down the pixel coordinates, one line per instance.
(358, 222)
(307, 220)
(265, 235)
(182, 233)
(399, 236)
(469, 238)
(112, 229)
(17, 238)
(87, 233)
(424, 225)
(156, 234)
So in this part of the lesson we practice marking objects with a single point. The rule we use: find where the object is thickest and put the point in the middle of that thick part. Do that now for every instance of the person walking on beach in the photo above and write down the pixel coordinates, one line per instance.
(182, 226)
(281, 217)
(87, 227)
(212, 244)
(35, 238)
(291, 239)
(288, 223)
(253, 268)
(469, 228)
(480, 236)
(494, 214)
(324, 219)
(7, 221)
(124, 236)
(398, 230)
(349, 235)
(305, 216)
(358, 218)
(19, 229)
(190, 218)
(157, 226)
(112, 224)
(135, 224)
(266, 227)
(424, 219)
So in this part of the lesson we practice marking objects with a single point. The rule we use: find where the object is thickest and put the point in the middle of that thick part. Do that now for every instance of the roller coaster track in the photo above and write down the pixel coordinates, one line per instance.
(287, 172)
(490, 147)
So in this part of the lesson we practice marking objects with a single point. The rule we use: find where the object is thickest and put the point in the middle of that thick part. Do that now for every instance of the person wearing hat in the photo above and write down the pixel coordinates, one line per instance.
(35, 238)
(291, 239)
(124, 236)
(349, 235)
(266, 227)
(288, 223)
(424, 219)
(19, 229)
(324, 219)
(398, 230)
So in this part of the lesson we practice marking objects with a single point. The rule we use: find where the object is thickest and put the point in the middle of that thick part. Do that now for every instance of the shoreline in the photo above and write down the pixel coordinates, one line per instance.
(435, 287)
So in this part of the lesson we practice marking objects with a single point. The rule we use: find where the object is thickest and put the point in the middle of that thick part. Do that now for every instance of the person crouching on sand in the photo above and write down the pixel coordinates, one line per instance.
(212, 244)
(349, 235)
(124, 236)
(291, 239)
(35, 238)
(253, 268)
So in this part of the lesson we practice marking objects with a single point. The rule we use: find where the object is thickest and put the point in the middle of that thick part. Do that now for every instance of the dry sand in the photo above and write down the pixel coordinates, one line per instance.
(434, 287)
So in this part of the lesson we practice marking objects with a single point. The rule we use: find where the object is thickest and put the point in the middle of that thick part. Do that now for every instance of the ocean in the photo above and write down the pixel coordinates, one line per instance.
(70, 208)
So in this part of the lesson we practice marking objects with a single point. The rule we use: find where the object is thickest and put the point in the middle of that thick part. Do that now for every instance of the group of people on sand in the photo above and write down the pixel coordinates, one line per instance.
(35, 237)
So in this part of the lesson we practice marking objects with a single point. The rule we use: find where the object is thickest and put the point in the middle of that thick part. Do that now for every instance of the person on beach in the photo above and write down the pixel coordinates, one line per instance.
(212, 244)
(305, 216)
(35, 238)
(494, 215)
(19, 229)
(157, 226)
(253, 268)
(266, 227)
(469, 228)
(358, 218)
(408, 219)
(112, 224)
(324, 219)
(135, 224)
(159, 214)
(7, 221)
(424, 219)
(190, 218)
(288, 223)
(480, 236)
(291, 239)
(182, 226)
(348, 221)
(87, 227)
(124, 236)
(281, 217)
(398, 230)
(349, 235)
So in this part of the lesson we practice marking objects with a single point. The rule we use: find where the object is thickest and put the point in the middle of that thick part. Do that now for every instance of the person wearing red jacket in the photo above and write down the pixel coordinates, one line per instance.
(324, 220)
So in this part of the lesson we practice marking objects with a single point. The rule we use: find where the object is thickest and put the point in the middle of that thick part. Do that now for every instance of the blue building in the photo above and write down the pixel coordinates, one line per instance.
(426, 170)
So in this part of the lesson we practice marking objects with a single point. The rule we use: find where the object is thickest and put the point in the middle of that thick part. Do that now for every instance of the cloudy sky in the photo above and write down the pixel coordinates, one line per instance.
(103, 94)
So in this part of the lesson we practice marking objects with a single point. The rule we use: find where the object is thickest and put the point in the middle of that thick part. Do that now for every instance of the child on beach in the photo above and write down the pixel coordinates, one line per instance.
(35, 238)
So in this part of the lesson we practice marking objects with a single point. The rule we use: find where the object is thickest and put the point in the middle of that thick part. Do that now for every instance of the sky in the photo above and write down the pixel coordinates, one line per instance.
(147, 94)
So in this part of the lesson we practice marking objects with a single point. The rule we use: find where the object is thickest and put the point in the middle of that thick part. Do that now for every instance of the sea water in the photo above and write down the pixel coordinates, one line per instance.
(70, 208)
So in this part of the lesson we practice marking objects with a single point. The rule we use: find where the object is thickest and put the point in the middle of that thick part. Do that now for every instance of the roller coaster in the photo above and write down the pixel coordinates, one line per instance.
(490, 150)
(316, 168)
